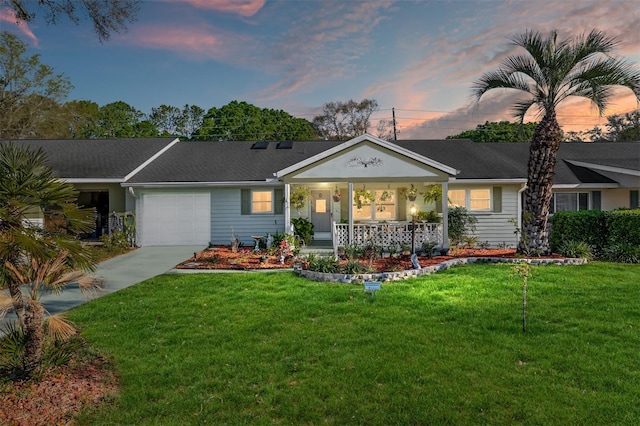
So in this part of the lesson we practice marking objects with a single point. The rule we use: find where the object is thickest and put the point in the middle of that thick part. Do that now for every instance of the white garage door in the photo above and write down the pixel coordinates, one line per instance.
(176, 219)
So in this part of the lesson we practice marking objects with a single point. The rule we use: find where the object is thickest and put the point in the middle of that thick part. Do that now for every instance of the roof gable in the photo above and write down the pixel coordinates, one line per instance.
(367, 157)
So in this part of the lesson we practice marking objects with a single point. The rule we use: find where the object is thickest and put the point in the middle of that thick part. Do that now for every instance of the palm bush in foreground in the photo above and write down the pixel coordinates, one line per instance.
(36, 259)
(443, 349)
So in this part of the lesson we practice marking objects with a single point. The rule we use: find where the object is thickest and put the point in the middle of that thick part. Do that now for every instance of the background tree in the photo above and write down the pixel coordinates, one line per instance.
(121, 120)
(190, 121)
(34, 258)
(107, 16)
(345, 120)
(81, 118)
(165, 119)
(30, 92)
(624, 127)
(242, 121)
(503, 131)
(550, 71)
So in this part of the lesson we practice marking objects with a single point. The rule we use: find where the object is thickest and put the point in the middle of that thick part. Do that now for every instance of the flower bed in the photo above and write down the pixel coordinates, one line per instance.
(222, 257)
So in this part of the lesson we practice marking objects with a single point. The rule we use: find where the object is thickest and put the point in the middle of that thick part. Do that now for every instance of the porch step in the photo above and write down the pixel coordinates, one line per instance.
(324, 252)
(319, 248)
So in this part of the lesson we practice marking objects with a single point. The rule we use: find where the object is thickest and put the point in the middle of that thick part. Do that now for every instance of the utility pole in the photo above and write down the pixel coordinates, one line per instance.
(393, 112)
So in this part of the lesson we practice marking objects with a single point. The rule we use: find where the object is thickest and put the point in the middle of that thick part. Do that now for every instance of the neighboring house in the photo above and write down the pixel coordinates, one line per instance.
(97, 168)
(200, 192)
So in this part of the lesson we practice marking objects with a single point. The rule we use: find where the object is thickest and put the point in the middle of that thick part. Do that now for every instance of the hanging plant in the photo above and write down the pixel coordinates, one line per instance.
(410, 193)
(336, 195)
(362, 196)
(299, 196)
(433, 193)
(386, 196)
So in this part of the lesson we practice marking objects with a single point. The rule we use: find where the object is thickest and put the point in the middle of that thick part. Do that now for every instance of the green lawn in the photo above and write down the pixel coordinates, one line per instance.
(443, 349)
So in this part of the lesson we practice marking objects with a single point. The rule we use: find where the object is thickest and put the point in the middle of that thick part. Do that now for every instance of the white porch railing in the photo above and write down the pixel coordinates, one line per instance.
(385, 234)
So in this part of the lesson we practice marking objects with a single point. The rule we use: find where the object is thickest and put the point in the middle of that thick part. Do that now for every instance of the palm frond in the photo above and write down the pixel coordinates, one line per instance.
(521, 108)
(499, 80)
(59, 328)
(6, 304)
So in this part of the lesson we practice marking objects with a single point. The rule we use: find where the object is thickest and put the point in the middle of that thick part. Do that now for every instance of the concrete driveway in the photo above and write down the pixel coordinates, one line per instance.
(118, 273)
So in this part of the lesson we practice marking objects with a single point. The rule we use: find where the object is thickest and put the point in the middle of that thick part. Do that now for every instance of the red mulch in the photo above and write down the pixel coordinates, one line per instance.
(60, 394)
(221, 257)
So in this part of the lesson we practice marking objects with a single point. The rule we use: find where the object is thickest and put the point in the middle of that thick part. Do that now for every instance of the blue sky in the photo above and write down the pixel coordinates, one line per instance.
(419, 57)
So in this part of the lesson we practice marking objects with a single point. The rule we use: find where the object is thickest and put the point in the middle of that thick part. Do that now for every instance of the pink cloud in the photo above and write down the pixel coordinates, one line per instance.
(196, 43)
(240, 7)
(9, 16)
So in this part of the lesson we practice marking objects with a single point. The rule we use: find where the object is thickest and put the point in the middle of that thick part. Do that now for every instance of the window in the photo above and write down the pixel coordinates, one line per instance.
(569, 201)
(457, 198)
(382, 208)
(261, 201)
(471, 199)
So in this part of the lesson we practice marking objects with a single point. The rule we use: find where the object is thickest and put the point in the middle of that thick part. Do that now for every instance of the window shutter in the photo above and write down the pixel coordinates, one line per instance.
(245, 201)
(633, 199)
(497, 199)
(278, 201)
(596, 200)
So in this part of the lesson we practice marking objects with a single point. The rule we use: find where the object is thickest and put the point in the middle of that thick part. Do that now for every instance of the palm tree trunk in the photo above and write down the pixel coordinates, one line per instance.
(537, 195)
(31, 319)
(34, 334)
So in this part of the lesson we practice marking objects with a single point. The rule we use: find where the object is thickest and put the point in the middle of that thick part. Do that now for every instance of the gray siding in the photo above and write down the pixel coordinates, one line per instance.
(226, 214)
(494, 227)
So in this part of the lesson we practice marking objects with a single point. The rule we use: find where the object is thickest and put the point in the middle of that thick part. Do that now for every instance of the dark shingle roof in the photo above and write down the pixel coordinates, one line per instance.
(96, 158)
(235, 161)
(229, 161)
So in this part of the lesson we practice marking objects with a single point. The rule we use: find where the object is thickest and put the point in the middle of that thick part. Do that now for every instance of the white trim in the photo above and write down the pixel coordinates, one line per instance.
(272, 201)
(376, 141)
(487, 181)
(152, 158)
(585, 185)
(614, 169)
(89, 180)
(243, 183)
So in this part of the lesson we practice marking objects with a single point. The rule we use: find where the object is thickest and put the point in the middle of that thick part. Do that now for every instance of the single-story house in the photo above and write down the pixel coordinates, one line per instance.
(186, 193)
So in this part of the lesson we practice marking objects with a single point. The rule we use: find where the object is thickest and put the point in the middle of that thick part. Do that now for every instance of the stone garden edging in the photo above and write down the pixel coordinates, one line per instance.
(427, 270)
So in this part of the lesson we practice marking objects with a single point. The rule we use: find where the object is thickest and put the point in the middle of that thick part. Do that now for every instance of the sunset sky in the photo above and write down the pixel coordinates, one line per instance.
(419, 57)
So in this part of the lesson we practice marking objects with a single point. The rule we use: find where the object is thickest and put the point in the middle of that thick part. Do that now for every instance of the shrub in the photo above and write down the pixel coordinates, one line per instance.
(586, 226)
(303, 228)
(623, 226)
(353, 266)
(461, 224)
(577, 249)
(622, 252)
(117, 241)
(328, 265)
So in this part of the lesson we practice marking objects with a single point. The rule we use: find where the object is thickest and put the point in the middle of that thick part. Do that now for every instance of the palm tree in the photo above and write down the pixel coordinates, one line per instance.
(550, 72)
(37, 258)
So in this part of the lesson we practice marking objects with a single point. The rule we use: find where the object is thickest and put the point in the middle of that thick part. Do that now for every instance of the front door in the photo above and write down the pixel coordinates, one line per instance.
(321, 213)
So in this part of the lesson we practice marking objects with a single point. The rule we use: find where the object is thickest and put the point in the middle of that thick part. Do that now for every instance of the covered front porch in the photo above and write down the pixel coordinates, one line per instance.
(369, 191)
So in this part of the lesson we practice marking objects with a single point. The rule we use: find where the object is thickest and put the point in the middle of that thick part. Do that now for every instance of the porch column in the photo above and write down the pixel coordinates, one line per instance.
(350, 204)
(445, 216)
(287, 209)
